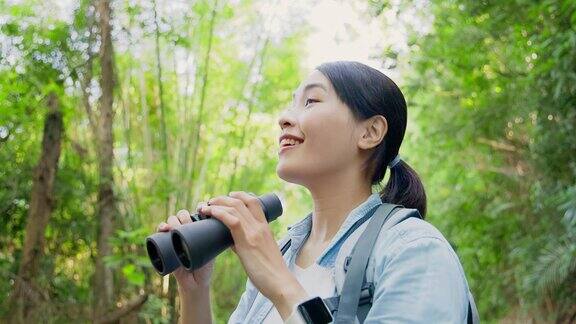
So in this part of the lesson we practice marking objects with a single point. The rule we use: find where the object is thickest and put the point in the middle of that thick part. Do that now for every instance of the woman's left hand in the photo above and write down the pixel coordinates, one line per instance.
(256, 247)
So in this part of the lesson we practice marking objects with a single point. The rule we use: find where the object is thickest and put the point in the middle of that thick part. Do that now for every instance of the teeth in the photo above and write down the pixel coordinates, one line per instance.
(289, 141)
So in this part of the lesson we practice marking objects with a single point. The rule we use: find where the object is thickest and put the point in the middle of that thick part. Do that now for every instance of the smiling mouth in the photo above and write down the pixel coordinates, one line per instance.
(290, 142)
(287, 147)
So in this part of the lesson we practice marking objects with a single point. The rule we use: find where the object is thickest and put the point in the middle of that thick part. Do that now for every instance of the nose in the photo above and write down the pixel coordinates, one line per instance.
(286, 118)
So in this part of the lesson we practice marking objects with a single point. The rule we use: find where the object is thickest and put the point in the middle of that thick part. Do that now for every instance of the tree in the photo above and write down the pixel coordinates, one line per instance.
(198, 69)
(106, 210)
(493, 111)
(26, 292)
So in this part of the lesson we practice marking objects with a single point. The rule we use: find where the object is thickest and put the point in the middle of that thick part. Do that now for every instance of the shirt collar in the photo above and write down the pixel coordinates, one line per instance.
(301, 228)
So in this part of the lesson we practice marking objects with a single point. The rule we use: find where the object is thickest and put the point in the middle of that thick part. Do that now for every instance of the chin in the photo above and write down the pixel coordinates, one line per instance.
(288, 175)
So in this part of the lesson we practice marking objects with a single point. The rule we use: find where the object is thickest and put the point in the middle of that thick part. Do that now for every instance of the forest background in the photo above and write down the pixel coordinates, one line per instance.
(116, 114)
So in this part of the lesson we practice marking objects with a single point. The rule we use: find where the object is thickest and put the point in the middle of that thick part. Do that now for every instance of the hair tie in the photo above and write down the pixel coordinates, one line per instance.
(394, 161)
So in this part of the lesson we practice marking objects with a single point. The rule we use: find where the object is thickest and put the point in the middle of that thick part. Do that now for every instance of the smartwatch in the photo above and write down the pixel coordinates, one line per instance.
(315, 311)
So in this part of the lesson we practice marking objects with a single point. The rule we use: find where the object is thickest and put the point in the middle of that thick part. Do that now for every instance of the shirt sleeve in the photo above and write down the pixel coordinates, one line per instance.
(419, 281)
(246, 300)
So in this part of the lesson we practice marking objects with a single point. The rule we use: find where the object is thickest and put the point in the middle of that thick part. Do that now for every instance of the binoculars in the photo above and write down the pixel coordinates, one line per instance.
(192, 245)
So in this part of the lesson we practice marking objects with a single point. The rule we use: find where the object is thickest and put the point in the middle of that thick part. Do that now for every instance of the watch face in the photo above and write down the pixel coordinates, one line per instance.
(315, 311)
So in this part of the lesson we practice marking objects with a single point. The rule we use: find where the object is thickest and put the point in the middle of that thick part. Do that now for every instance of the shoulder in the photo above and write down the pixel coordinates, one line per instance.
(410, 232)
(417, 244)
(414, 261)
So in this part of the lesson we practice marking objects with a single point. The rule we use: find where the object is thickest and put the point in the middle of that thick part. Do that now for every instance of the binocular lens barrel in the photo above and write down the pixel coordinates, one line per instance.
(194, 244)
(161, 253)
(197, 245)
(182, 253)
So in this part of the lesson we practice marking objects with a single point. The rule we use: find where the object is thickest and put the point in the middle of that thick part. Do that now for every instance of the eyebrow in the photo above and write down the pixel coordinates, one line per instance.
(310, 86)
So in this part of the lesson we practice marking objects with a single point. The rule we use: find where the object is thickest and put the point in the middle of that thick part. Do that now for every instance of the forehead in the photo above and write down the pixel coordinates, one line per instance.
(314, 80)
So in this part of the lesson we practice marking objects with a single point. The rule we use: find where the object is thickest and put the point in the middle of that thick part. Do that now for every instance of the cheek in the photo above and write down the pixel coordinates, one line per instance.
(318, 131)
(326, 131)
(328, 139)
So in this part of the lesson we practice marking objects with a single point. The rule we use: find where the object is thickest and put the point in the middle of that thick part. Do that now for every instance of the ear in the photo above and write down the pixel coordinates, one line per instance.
(373, 131)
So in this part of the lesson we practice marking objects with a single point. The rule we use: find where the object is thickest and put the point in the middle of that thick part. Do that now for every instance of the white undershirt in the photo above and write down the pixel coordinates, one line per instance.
(316, 280)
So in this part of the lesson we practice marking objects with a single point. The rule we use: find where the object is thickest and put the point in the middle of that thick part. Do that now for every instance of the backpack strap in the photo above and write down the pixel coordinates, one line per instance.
(367, 279)
(352, 287)
(473, 317)
(285, 245)
(367, 287)
(365, 302)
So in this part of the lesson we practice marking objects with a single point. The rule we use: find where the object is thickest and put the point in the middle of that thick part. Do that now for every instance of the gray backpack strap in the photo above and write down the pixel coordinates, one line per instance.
(284, 245)
(365, 293)
(473, 317)
(398, 217)
(352, 288)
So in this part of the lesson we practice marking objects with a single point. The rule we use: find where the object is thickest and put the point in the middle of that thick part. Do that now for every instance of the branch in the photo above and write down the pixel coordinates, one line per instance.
(76, 146)
(84, 84)
(86, 78)
(498, 145)
(28, 288)
(129, 307)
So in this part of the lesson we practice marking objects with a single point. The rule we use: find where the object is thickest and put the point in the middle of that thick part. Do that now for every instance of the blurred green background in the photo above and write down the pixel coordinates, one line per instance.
(114, 115)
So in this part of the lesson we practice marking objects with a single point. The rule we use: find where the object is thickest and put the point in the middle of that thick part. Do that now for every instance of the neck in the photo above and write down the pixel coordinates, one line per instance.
(334, 198)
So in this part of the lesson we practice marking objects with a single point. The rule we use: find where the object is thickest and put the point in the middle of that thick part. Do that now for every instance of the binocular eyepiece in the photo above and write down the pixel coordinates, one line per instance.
(194, 244)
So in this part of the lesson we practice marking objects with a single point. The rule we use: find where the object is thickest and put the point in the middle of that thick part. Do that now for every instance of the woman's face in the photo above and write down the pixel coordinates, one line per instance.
(327, 128)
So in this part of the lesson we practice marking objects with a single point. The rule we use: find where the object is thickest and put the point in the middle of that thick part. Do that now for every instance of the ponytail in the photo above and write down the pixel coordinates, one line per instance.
(405, 188)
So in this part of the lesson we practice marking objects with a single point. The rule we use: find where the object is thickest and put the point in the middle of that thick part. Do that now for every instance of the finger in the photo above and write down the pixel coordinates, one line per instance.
(174, 221)
(184, 216)
(235, 203)
(198, 206)
(223, 214)
(208, 209)
(252, 203)
(163, 227)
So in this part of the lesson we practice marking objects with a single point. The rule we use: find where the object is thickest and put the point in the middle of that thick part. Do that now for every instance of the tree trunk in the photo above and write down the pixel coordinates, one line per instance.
(196, 134)
(41, 204)
(106, 204)
(250, 108)
(220, 162)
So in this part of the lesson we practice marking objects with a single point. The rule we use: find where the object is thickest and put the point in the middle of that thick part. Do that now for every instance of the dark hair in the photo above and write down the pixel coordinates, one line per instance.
(368, 92)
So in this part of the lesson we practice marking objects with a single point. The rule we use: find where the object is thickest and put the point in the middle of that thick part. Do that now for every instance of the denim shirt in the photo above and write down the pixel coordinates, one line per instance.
(418, 277)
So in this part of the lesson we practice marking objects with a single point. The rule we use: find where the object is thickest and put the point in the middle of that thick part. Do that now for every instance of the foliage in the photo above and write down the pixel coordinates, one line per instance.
(164, 66)
(491, 90)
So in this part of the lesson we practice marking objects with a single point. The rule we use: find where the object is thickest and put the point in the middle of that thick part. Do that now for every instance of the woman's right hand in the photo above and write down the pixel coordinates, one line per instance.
(188, 281)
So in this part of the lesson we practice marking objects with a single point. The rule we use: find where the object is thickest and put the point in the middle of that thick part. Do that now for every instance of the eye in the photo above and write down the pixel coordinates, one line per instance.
(310, 100)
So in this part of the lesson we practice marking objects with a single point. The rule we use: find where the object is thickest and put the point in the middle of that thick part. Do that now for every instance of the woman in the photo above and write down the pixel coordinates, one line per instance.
(343, 130)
